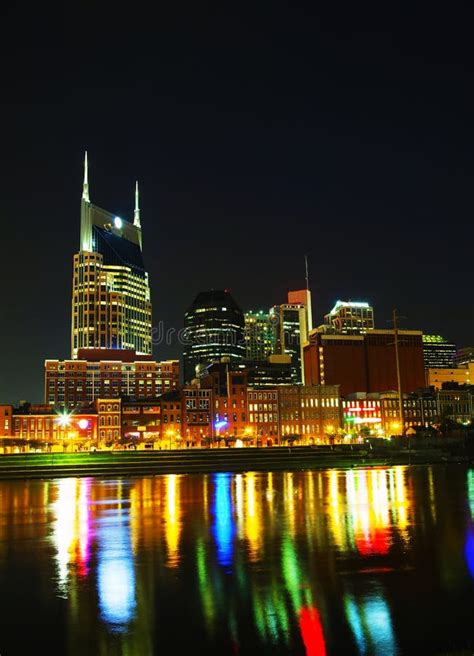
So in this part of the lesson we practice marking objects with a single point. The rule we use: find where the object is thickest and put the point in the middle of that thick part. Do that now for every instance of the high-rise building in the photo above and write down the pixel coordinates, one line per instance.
(291, 332)
(438, 352)
(303, 297)
(214, 329)
(111, 307)
(350, 318)
(259, 335)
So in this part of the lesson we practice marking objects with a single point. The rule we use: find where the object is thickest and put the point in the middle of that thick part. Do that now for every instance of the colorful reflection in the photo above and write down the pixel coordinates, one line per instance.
(115, 566)
(223, 527)
(371, 623)
(469, 546)
(172, 519)
(366, 508)
(290, 562)
(71, 534)
(312, 632)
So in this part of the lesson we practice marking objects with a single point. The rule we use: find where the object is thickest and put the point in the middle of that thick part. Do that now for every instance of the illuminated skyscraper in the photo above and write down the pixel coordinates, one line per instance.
(214, 329)
(111, 307)
(350, 318)
(259, 336)
(291, 333)
(438, 352)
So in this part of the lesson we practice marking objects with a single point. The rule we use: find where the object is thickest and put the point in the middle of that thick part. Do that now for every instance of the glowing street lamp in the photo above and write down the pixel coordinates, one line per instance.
(64, 419)
(170, 433)
(395, 425)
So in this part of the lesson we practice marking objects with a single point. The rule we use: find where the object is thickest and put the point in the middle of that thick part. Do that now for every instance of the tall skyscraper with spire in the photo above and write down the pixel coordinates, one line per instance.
(111, 306)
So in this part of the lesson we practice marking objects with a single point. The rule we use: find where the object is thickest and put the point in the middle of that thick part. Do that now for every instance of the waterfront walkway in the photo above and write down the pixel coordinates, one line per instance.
(183, 461)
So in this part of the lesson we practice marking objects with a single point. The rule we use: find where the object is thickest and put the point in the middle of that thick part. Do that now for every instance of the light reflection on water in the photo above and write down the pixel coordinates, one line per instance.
(315, 562)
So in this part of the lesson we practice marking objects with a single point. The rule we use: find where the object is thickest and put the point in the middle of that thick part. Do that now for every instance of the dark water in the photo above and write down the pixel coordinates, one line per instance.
(374, 561)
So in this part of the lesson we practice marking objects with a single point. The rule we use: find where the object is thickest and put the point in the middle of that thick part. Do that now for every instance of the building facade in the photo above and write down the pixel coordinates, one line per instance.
(111, 305)
(258, 335)
(350, 318)
(456, 403)
(461, 375)
(464, 356)
(77, 382)
(438, 352)
(290, 327)
(42, 427)
(213, 329)
(197, 403)
(276, 370)
(229, 396)
(263, 413)
(365, 362)
(379, 414)
(310, 413)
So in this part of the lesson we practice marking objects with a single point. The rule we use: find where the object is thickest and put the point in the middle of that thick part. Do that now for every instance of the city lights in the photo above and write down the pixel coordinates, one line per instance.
(64, 420)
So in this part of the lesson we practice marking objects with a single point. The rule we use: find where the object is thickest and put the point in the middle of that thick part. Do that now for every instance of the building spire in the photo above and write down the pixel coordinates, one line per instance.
(136, 214)
(86, 224)
(85, 187)
(306, 269)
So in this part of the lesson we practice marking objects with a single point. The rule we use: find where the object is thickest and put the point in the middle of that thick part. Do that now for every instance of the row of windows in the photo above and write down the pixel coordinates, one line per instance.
(262, 396)
(259, 407)
(325, 403)
(263, 417)
(203, 404)
(225, 417)
(224, 402)
(109, 422)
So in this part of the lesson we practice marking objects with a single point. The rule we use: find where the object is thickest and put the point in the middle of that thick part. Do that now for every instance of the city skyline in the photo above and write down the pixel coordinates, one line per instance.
(319, 135)
(173, 348)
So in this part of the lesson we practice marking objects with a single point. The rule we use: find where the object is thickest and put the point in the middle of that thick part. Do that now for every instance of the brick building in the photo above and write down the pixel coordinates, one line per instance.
(229, 399)
(40, 426)
(365, 362)
(263, 413)
(309, 412)
(107, 374)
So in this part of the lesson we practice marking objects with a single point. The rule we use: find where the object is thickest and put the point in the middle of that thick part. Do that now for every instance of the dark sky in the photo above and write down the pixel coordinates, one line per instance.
(256, 137)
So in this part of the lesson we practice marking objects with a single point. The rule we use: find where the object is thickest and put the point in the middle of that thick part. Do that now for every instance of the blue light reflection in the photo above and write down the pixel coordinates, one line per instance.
(223, 527)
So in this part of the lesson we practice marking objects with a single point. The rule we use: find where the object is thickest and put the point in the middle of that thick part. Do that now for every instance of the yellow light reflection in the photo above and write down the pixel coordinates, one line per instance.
(252, 518)
(172, 519)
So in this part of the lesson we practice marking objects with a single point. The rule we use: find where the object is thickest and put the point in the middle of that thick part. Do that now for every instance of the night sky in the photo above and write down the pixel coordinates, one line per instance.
(256, 138)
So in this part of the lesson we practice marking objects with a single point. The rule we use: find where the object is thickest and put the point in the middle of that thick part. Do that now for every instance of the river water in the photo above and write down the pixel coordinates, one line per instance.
(360, 561)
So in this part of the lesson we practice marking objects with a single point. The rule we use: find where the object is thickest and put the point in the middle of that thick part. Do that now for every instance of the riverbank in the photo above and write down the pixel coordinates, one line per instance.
(133, 463)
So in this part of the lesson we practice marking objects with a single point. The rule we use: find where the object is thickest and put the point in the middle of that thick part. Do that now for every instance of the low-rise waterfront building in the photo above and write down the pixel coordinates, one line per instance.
(264, 421)
(309, 413)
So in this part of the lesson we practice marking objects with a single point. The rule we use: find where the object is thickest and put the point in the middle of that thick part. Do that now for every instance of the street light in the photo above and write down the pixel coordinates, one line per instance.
(64, 419)
(170, 433)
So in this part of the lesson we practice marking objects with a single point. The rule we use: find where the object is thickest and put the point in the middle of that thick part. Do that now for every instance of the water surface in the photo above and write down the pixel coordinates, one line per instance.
(366, 561)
